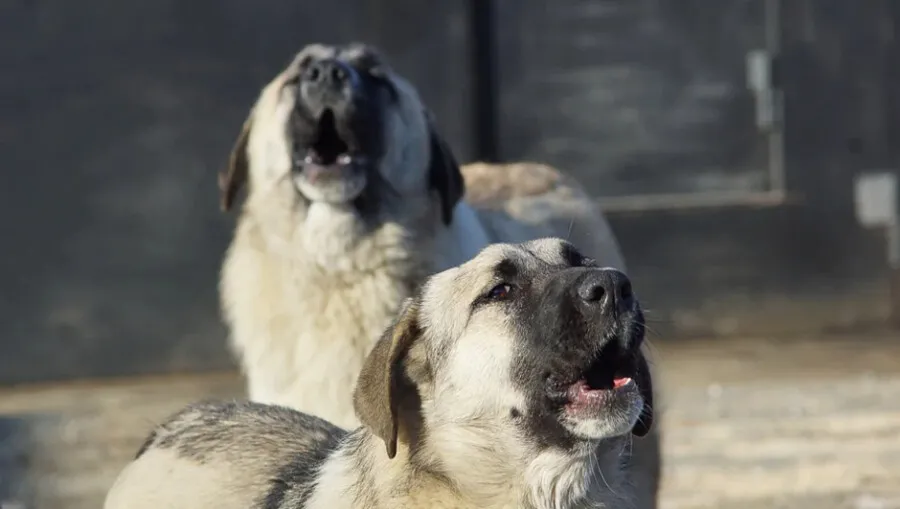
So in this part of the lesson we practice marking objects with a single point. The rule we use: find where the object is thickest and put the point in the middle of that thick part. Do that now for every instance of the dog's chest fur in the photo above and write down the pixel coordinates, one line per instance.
(305, 309)
(365, 479)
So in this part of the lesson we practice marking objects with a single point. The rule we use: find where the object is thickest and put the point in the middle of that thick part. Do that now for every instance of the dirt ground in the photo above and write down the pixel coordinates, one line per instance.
(801, 423)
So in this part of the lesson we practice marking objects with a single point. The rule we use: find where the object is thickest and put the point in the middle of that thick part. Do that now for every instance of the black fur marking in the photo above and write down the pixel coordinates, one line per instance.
(571, 255)
(444, 175)
(558, 337)
(297, 479)
(278, 492)
(506, 270)
(294, 444)
(364, 487)
(358, 119)
(146, 445)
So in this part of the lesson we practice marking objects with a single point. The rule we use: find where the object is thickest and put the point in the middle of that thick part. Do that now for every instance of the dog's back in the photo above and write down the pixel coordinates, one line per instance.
(225, 455)
(526, 200)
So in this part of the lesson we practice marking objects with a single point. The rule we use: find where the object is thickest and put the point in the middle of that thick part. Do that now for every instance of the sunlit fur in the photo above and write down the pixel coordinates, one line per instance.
(307, 287)
(458, 448)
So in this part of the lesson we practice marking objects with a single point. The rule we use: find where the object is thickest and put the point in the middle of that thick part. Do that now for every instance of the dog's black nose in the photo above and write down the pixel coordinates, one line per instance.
(609, 289)
(330, 75)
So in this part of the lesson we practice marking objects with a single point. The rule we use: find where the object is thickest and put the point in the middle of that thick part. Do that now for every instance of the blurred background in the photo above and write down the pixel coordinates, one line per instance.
(746, 153)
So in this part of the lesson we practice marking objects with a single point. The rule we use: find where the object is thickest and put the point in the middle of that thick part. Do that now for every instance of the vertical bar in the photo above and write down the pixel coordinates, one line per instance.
(772, 27)
(483, 79)
(893, 241)
(895, 297)
(891, 84)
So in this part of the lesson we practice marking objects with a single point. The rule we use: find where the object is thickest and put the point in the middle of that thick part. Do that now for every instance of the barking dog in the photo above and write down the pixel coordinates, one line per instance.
(511, 381)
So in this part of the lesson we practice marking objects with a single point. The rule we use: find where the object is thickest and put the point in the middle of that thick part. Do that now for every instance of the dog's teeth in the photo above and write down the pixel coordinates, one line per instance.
(309, 159)
(344, 159)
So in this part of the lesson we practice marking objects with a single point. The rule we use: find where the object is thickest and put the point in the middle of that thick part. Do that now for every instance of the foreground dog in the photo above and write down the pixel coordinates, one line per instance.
(512, 381)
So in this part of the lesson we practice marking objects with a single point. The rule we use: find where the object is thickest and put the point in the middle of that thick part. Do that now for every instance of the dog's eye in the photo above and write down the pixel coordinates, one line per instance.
(500, 291)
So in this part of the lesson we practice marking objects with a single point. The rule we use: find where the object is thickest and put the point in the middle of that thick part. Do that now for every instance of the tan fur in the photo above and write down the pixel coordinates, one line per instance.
(306, 292)
(434, 396)
(491, 184)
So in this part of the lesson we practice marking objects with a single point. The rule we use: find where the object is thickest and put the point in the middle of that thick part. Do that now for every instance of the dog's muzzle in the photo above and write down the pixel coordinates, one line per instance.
(330, 158)
(596, 376)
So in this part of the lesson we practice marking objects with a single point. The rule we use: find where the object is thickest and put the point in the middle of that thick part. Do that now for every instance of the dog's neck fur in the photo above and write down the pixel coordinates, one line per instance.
(359, 475)
(295, 272)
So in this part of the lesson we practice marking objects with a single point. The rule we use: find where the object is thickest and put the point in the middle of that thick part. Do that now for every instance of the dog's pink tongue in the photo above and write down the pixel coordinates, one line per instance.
(583, 398)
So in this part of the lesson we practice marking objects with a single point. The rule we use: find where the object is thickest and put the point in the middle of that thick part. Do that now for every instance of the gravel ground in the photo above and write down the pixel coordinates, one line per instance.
(751, 424)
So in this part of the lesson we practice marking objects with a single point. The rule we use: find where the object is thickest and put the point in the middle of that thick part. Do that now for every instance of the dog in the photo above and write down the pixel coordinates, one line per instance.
(514, 380)
(353, 198)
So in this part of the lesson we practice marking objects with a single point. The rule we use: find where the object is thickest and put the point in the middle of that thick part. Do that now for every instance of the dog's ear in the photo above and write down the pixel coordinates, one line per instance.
(444, 175)
(235, 175)
(645, 385)
(382, 381)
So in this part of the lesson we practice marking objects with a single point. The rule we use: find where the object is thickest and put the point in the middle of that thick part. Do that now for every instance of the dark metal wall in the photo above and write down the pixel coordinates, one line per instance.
(115, 117)
(805, 263)
(636, 97)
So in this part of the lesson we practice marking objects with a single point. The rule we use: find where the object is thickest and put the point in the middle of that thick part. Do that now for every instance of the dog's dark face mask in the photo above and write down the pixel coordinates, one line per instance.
(342, 98)
(578, 353)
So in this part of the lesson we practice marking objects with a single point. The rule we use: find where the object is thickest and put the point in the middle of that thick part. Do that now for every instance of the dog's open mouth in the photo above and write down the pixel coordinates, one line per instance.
(329, 153)
(611, 373)
(330, 167)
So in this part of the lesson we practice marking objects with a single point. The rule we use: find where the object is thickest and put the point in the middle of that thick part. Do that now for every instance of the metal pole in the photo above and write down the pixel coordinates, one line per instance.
(483, 80)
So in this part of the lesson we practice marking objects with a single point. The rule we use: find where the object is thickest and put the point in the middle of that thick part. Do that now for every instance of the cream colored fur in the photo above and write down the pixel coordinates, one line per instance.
(457, 449)
(306, 292)
(545, 480)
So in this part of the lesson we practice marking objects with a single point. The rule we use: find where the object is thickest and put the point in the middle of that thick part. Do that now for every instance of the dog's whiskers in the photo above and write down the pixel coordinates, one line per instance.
(595, 469)
(628, 450)
(652, 330)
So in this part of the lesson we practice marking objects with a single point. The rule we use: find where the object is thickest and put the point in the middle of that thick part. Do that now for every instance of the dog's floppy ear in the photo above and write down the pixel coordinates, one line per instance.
(235, 175)
(444, 175)
(645, 385)
(378, 390)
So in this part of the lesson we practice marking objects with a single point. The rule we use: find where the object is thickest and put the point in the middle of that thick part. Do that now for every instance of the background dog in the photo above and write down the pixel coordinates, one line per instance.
(513, 381)
(353, 199)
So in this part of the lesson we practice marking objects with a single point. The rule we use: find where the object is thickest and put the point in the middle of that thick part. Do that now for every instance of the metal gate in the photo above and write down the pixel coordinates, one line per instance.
(653, 103)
